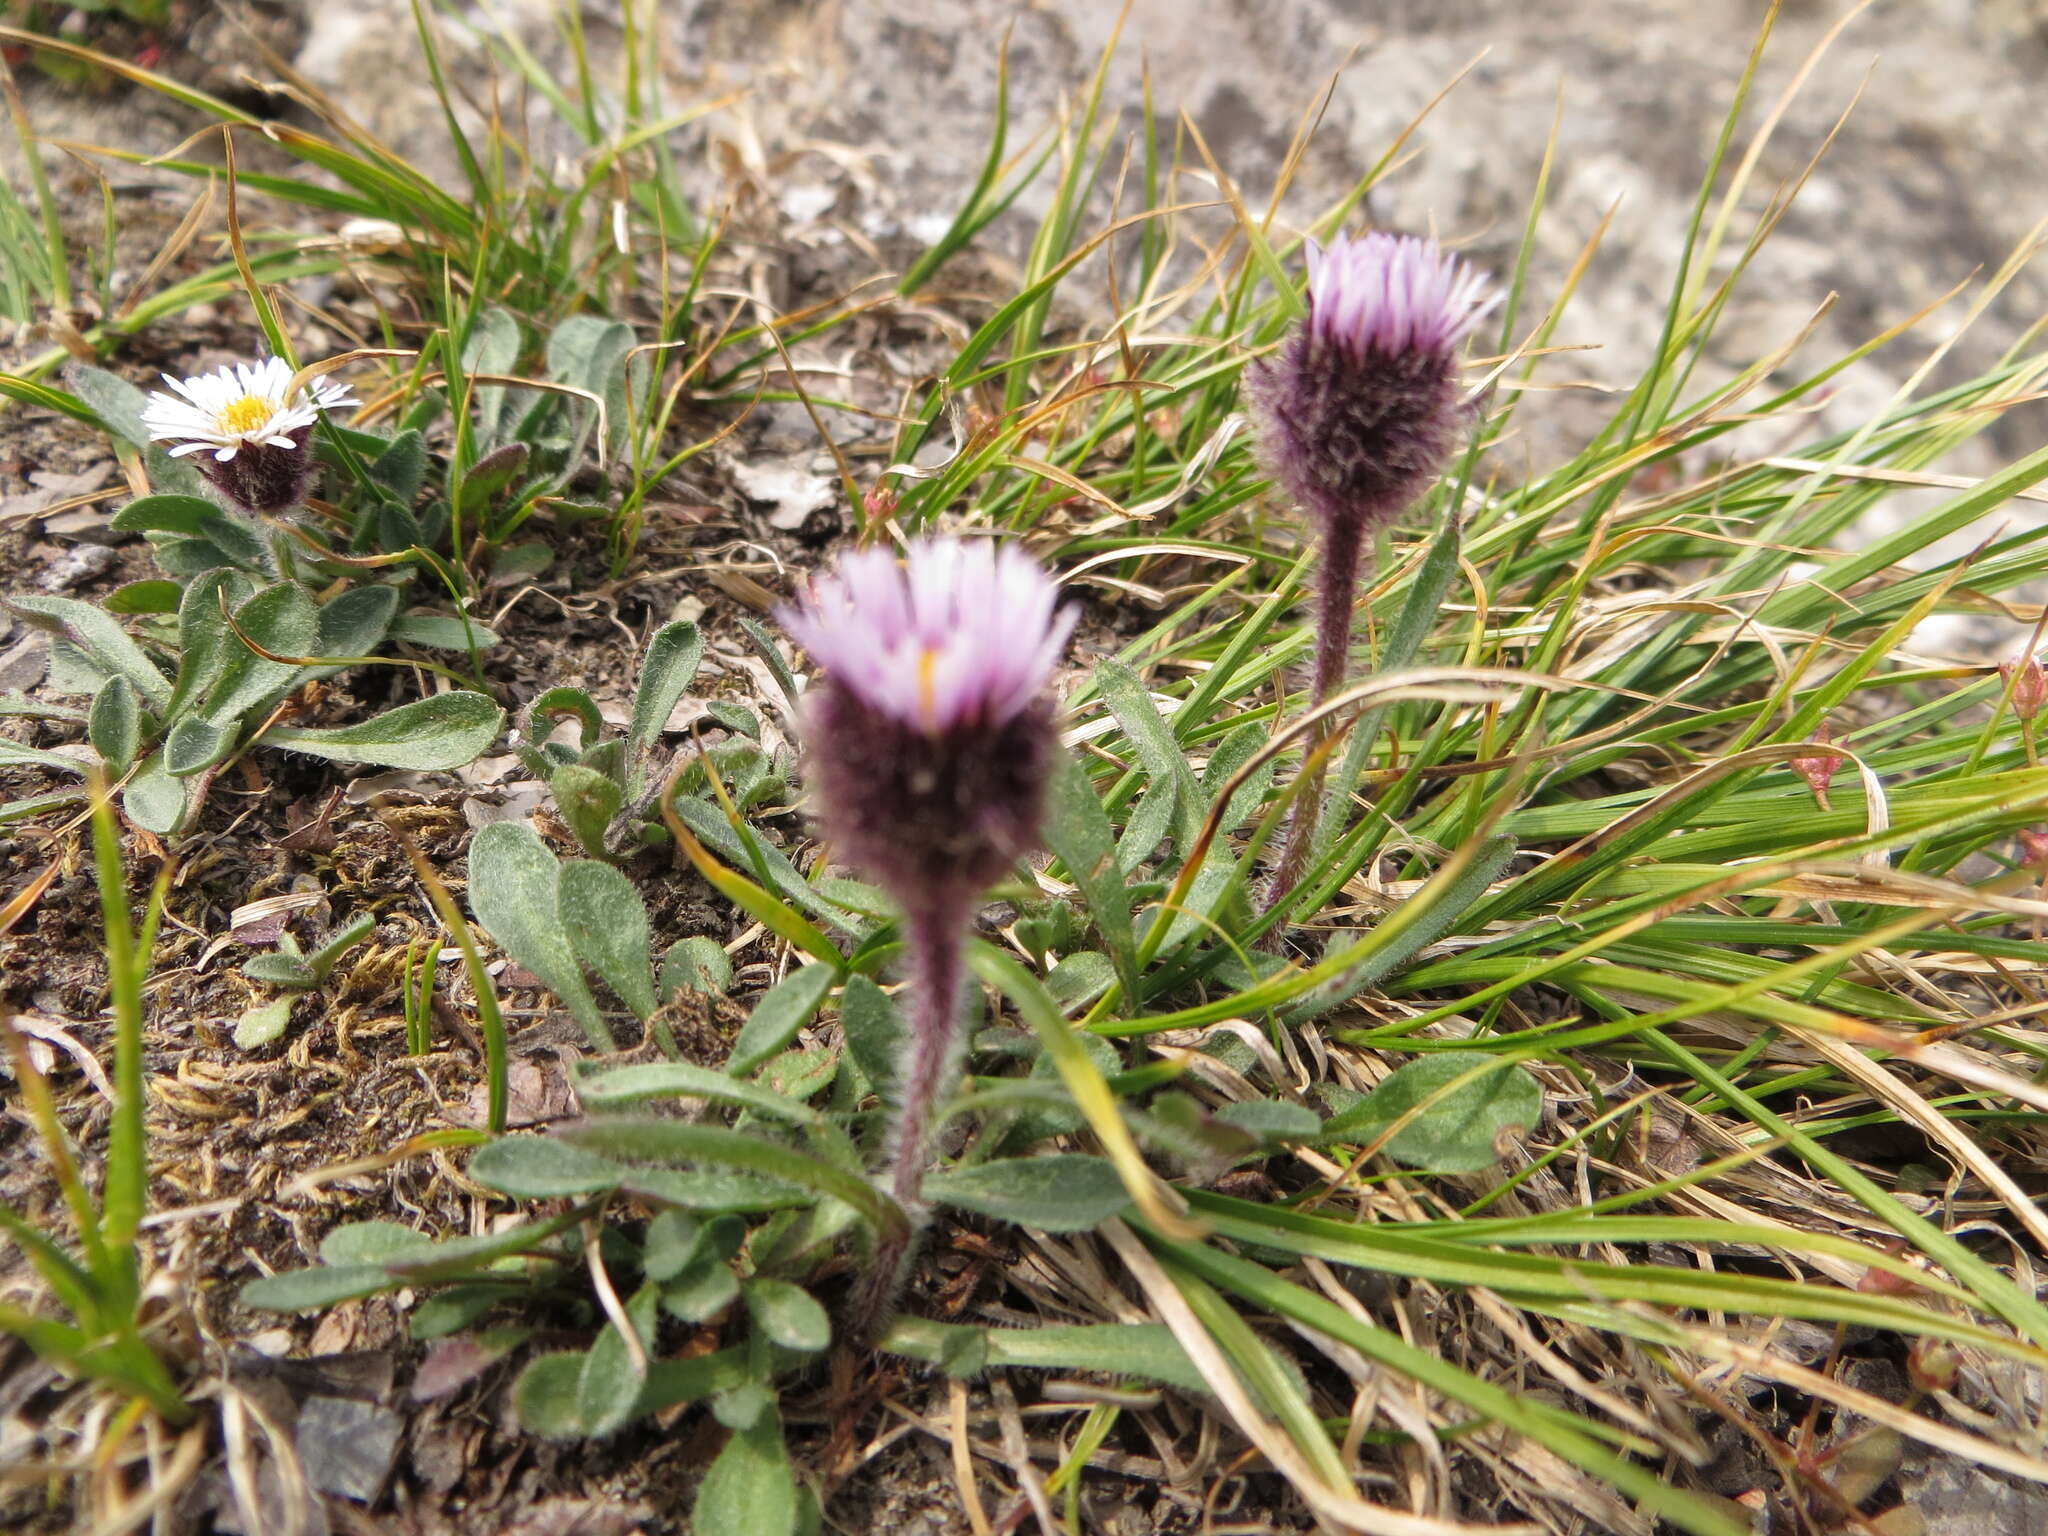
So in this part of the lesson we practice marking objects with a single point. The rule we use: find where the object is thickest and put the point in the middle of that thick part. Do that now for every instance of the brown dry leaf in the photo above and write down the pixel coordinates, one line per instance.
(580, 1517)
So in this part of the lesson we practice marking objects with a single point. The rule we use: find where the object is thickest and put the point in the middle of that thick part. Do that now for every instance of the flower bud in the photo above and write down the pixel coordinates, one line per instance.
(2027, 681)
(1359, 409)
(1934, 1365)
(1819, 768)
(929, 742)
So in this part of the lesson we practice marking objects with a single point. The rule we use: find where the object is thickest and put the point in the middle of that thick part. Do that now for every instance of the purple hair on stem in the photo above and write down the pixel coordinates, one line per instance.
(1357, 414)
(929, 743)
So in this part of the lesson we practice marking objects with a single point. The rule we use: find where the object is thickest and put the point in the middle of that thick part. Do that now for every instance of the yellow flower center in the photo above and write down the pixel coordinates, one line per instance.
(245, 415)
(927, 690)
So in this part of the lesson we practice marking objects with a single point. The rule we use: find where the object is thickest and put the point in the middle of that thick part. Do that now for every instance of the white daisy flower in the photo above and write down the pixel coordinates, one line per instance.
(246, 405)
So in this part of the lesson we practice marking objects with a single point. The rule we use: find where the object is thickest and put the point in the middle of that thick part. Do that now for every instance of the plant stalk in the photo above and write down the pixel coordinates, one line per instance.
(935, 932)
(1336, 592)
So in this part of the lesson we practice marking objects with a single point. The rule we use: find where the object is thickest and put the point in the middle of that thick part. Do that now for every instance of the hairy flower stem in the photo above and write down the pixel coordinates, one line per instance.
(1343, 548)
(935, 934)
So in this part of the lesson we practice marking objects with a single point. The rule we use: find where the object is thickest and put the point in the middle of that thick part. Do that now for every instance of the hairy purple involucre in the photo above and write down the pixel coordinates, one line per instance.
(929, 736)
(929, 743)
(1359, 410)
(1356, 415)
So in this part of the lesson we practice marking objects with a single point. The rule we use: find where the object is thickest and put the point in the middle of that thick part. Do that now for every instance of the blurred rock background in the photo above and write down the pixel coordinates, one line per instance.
(868, 120)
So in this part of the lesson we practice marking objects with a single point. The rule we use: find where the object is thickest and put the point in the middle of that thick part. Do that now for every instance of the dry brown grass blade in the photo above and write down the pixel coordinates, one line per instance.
(1937, 1127)
(963, 1460)
(1974, 1450)
(166, 1483)
(1341, 1508)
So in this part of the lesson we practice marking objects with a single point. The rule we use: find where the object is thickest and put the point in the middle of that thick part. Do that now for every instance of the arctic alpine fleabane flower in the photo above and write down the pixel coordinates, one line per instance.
(929, 743)
(249, 428)
(1357, 415)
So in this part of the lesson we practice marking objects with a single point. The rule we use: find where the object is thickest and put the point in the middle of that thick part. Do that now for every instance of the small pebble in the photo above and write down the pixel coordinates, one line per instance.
(81, 563)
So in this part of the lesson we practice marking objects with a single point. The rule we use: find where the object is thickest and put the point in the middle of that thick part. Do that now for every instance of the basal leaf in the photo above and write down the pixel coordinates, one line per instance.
(1066, 1192)
(670, 666)
(606, 922)
(873, 1030)
(514, 890)
(750, 1489)
(115, 724)
(1457, 1131)
(441, 731)
(783, 1010)
(788, 1315)
(542, 1168)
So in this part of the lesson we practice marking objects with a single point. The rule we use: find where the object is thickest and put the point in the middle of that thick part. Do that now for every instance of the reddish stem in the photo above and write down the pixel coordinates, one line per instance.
(1336, 592)
(935, 934)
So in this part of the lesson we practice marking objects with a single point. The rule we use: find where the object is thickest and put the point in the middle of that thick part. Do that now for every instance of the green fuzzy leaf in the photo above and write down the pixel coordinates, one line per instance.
(763, 1162)
(372, 1242)
(282, 619)
(519, 562)
(749, 1490)
(205, 643)
(195, 744)
(591, 353)
(696, 964)
(1078, 831)
(798, 1075)
(783, 1010)
(514, 890)
(588, 800)
(873, 1030)
(1066, 1192)
(491, 474)
(617, 1087)
(542, 1168)
(673, 656)
(614, 1374)
(157, 802)
(114, 727)
(742, 1406)
(1080, 978)
(788, 1315)
(441, 731)
(673, 1242)
(264, 1023)
(36, 805)
(538, 719)
(117, 403)
(493, 347)
(144, 597)
(340, 942)
(15, 754)
(440, 632)
(703, 1290)
(1147, 1350)
(546, 1398)
(315, 1290)
(1273, 1121)
(355, 623)
(1165, 764)
(280, 970)
(166, 514)
(402, 466)
(100, 635)
(1459, 1131)
(606, 922)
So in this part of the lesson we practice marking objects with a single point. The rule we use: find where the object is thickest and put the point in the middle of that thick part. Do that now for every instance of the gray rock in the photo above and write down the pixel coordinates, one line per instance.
(347, 1447)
